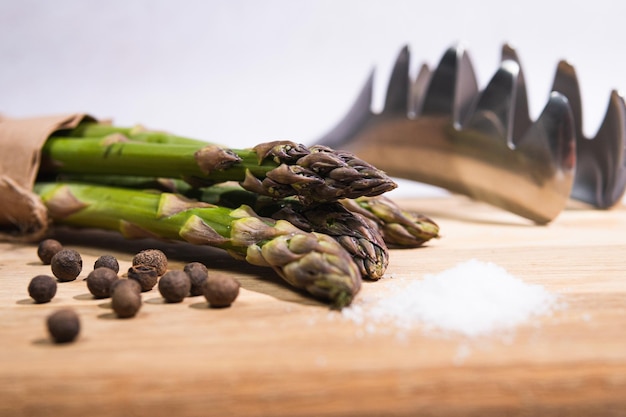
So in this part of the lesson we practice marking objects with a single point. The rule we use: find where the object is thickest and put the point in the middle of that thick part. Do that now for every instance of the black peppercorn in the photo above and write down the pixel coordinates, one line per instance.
(63, 325)
(99, 281)
(47, 249)
(42, 288)
(221, 291)
(125, 299)
(198, 273)
(107, 261)
(66, 265)
(152, 257)
(146, 275)
(174, 286)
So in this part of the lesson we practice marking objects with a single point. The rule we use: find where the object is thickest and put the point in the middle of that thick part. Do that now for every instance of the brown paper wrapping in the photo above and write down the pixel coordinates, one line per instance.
(23, 217)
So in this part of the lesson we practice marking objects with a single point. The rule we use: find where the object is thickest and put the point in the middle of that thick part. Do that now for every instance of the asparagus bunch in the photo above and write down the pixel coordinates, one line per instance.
(310, 213)
(399, 228)
(310, 261)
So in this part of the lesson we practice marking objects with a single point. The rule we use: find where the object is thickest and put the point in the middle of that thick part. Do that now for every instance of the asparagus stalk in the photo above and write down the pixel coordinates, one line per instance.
(277, 169)
(138, 133)
(400, 228)
(312, 261)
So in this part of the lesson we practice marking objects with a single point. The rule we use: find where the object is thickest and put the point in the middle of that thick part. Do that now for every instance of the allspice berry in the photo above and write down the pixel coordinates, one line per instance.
(152, 257)
(125, 299)
(63, 325)
(129, 284)
(47, 249)
(42, 288)
(146, 275)
(107, 261)
(174, 286)
(99, 281)
(221, 291)
(198, 273)
(66, 265)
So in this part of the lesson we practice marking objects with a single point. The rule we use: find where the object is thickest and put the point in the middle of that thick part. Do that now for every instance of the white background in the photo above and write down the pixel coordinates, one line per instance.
(241, 72)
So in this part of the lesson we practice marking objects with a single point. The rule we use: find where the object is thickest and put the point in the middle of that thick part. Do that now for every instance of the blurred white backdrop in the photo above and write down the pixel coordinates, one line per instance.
(241, 72)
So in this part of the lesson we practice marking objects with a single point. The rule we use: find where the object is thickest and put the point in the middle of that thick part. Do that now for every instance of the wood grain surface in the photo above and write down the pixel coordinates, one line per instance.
(276, 352)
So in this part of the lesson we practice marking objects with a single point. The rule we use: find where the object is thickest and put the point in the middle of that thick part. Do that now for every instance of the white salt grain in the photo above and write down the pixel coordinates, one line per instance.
(473, 298)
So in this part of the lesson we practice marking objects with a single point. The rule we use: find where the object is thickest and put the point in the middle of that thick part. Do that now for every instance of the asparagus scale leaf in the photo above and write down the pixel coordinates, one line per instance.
(310, 261)
(278, 169)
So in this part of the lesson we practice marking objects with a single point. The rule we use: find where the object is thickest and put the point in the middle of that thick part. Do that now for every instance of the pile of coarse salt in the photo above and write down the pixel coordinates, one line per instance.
(474, 298)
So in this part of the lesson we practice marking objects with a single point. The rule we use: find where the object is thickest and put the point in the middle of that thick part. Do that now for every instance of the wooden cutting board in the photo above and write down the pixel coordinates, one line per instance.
(276, 352)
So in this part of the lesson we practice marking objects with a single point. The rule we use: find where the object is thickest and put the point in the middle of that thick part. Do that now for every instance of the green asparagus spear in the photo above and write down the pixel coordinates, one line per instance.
(310, 261)
(277, 169)
(138, 133)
